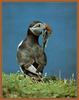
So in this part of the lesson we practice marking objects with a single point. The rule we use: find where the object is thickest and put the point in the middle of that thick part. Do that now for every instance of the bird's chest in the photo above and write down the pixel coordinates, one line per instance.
(38, 53)
(37, 50)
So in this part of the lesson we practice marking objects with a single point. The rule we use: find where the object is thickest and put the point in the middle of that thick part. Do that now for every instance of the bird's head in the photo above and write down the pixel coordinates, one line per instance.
(38, 28)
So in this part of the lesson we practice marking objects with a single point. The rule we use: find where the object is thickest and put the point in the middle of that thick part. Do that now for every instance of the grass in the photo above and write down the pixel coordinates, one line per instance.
(18, 86)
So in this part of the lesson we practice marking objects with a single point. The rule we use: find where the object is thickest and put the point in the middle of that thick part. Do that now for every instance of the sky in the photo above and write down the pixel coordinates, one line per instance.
(61, 50)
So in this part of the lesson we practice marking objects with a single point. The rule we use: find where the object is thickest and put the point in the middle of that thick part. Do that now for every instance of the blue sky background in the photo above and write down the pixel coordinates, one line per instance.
(62, 46)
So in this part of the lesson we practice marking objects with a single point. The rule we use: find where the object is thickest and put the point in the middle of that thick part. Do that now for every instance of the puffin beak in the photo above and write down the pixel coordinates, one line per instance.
(46, 34)
(48, 29)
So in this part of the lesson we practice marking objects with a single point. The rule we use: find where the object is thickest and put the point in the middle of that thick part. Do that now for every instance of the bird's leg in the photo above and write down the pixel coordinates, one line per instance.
(39, 69)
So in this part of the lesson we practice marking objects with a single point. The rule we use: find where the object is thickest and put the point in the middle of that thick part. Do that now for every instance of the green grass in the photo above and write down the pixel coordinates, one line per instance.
(18, 86)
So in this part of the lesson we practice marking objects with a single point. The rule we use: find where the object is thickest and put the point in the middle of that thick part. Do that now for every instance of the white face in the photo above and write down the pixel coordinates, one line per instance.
(44, 30)
(37, 29)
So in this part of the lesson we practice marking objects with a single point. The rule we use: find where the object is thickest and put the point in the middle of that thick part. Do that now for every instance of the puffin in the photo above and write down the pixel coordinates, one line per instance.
(31, 56)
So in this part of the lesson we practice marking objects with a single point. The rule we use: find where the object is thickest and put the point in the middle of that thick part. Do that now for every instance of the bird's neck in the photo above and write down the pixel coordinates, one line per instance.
(31, 38)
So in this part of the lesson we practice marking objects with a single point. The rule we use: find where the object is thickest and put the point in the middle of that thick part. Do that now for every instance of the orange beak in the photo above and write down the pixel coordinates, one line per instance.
(47, 27)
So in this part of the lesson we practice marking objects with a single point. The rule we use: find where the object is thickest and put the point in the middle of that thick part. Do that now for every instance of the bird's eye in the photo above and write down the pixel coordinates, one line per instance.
(39, 25)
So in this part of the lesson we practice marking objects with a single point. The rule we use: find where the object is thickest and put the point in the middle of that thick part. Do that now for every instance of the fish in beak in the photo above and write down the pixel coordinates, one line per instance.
(45, 35)
(42, 29)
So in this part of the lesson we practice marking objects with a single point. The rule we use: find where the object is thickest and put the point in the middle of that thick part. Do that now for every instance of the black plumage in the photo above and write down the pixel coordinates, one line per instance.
(30, 52)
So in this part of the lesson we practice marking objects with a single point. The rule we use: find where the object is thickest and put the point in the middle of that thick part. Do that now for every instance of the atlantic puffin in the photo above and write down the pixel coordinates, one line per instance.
(31, 55)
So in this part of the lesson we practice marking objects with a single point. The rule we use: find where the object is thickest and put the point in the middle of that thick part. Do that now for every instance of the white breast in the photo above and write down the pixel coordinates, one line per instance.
(20, 43)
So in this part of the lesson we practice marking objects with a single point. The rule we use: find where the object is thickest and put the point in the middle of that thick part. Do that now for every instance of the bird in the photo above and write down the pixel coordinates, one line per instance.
(31, 55)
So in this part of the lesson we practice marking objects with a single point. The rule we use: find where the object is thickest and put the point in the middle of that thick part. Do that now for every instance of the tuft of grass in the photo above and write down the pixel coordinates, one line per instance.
(18, 86)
